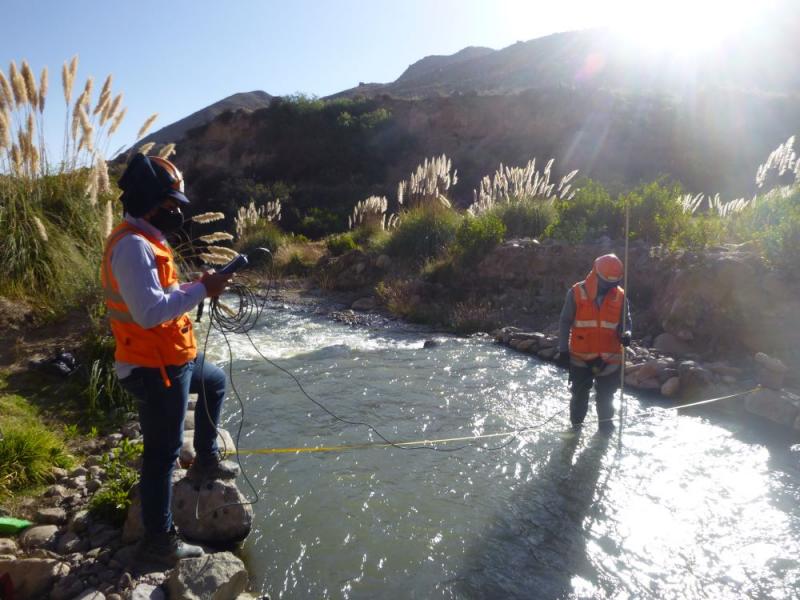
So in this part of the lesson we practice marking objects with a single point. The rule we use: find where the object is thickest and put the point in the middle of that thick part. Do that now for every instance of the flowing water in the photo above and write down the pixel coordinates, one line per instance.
(690, 505)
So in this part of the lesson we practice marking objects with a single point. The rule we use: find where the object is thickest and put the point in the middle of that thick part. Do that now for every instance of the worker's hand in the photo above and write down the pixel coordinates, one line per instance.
(215, 282)
(625, 339)
(562, 359)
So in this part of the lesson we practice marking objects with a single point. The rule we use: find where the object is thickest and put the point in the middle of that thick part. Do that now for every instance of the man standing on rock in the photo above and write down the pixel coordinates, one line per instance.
(156, 353)
(594, 327)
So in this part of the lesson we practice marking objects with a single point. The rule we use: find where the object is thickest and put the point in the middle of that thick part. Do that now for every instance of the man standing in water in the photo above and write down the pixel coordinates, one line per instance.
(594, 327)
(156, 353)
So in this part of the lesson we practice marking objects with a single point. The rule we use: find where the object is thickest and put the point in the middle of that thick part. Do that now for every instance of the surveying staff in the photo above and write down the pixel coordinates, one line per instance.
(594, 327)
(156, 353)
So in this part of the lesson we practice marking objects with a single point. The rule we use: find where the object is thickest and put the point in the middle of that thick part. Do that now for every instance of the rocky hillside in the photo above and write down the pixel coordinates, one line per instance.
(587, 99)
(247, 101)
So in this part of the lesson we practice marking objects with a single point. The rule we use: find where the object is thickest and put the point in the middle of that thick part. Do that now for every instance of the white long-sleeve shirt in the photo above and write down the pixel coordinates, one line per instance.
(133, 264)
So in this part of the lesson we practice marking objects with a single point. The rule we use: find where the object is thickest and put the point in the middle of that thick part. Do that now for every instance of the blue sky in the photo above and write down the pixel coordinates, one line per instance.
(176, 57)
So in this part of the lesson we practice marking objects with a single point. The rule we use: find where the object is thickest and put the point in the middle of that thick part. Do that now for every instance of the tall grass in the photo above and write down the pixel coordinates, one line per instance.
(55, 210)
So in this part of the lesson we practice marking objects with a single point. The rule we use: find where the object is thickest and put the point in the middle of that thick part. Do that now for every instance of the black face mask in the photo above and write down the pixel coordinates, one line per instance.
(167, 221)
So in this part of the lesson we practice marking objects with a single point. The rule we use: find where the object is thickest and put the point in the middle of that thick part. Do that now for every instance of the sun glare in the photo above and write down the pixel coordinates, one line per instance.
(683, 27)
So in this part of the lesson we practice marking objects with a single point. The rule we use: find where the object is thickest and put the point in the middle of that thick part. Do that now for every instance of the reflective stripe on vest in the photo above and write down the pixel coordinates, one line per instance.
(169, 343)
(594, 332)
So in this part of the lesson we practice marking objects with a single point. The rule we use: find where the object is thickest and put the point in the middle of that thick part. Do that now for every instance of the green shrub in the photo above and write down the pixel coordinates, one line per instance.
(656, 216)
(526, 218)
(112, 501)
(103, 394)
(297, 265)
(339, 244)
(28, 453)
(319, 222)
(423, 233)
(774, 221)
(478, 235)
(263, 234)
(591, 213)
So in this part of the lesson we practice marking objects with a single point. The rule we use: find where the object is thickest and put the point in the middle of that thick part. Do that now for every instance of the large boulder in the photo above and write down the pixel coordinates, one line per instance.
(39, 537)
(219, 576)
(33, 577)
(217, 513)
(224, 441)
(778, 406)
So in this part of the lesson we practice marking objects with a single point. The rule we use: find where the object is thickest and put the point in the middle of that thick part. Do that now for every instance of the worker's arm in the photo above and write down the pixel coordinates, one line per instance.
(565, 322)
(134, 266)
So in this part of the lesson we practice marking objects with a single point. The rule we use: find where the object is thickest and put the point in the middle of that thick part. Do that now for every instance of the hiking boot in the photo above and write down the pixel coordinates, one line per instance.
(165, 549)
(211, 469)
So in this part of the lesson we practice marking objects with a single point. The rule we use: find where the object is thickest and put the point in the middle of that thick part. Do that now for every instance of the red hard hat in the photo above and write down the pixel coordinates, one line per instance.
(609, 268)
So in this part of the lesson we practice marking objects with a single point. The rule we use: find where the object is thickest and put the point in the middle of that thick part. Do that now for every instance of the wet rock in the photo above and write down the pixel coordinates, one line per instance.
(147, 591)
(67, 587)
(693, 377)
(770, 371)
(224, 515)
(364, 304)
(80, 521)
(666, 342)
(778, 406)
(58, 473)
(91, 595)
(55, 491)
(430, 344)
(51, 516)
(131, 430)
(68, 543)
(671, 387)
(547, 353)
(33, 577)
(41, 536)
(219, 576)
(8, 546)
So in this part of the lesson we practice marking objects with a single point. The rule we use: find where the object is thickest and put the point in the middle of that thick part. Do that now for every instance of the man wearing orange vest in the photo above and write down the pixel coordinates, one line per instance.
(156, 353)
(595, 325)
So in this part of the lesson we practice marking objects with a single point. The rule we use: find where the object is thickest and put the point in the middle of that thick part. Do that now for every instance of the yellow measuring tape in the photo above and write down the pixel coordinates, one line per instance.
(366, 445)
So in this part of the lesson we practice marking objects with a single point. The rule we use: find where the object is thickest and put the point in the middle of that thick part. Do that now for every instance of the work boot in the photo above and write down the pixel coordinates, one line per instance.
(165, 549)
(211, 469)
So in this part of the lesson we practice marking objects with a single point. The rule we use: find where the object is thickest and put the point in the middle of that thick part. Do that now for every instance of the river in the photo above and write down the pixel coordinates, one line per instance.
(690, 504)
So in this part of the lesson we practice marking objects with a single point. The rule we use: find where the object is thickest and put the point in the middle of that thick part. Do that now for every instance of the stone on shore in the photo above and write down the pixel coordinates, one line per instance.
(33, 577)
(364, 304)
(225, 515)
(40, 536)
(51, 516)
(8, 546)
(666, 342)
(770, 371)
(778, 406)
(219, 576)
(671, 387)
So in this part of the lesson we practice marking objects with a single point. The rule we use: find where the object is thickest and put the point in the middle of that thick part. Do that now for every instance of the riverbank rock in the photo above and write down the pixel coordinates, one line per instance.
(770, 371)
(225, 515)
(8, 546)
(41, 536)
(219, 576)
(671, 344)
(51, 516)
(364, 304)
(33, 577)
(671, 387)
(780, 407)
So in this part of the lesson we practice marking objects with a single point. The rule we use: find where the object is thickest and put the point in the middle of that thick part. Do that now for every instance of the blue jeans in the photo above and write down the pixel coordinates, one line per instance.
(161, 413)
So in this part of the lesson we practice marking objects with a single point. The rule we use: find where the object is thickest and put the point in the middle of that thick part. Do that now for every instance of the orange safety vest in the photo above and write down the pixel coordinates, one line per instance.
(169, 343)
(594, 331)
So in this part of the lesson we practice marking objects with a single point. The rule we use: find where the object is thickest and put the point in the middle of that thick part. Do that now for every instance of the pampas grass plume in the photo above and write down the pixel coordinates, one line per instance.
(40, 228)
(18, 85)
(145, 148)
(108, 219)
(146, 126)
(30, 84)
(116, 122)
(208, 217)
(6, 95)
(103, 183)
(167, 151)
(5, 131)
(42, 89)
(217, 236)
